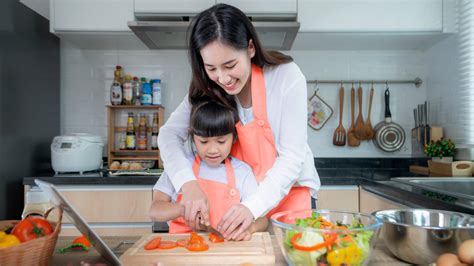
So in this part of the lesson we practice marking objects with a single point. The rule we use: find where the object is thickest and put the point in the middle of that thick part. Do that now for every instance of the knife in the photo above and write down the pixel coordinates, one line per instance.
(212, 230)
(427, 125)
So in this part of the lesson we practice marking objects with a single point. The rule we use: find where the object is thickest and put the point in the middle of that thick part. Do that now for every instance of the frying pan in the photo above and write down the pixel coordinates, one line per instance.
(389, 136)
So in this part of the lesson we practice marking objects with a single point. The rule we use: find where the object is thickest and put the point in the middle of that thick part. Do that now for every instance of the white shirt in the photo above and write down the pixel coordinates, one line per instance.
(287, 114)
(245, 180)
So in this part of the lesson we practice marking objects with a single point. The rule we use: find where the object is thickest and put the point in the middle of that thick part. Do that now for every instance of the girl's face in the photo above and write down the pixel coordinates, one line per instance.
(228, 67)
(213, 150)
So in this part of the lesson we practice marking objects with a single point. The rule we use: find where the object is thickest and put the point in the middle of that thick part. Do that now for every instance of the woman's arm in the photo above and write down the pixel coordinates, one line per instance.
(171, 139)
(162, 209)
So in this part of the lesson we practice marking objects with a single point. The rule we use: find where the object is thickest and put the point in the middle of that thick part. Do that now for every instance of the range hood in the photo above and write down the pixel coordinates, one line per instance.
(170, 32)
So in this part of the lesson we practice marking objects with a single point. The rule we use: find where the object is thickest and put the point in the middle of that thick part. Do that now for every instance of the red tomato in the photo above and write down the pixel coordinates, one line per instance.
(215, 238)
(197, 247)
(152, 244)
(32, 227)
(196, 239)
(167, 245)
(182, 242)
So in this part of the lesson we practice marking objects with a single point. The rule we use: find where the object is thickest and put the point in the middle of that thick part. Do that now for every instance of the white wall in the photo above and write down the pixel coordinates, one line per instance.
(86, 76)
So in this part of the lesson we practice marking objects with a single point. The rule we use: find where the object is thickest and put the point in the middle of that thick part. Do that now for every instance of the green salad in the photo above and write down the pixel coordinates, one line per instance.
(328, 248)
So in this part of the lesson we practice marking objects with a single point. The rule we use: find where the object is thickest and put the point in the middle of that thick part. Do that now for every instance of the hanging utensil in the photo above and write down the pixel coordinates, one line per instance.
(352, 140)
(339, 137)
(389, 136)
(369, 130)
(319, 111)
(359, 129)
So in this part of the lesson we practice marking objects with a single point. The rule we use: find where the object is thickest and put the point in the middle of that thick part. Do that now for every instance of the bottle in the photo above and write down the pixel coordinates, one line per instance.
(36, 203)
(146, 93)
(136, 91)
(123, 141)
(156, 85)
(154, 132)
(116, 88)
(127, 90)
(142, 134)
(130, 137)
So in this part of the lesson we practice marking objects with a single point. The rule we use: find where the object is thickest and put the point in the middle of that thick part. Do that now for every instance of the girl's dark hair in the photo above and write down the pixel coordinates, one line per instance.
(230, 26)
(212, 119)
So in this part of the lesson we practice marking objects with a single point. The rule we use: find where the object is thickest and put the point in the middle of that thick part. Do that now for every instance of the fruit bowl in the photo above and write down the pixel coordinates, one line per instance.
(324, 237)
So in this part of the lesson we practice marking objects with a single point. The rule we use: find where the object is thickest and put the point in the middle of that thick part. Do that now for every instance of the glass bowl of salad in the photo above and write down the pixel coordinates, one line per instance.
(324, 237)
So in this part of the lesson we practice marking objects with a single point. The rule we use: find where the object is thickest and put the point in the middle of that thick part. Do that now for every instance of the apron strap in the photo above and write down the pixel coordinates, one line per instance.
(259, 101)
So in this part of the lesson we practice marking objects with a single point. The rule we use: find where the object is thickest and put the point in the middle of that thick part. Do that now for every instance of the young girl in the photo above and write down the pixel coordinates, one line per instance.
(225, 180)
(269, 91)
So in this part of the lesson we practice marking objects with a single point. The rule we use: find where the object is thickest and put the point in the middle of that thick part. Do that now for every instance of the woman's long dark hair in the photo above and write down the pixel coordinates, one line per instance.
(231, 26)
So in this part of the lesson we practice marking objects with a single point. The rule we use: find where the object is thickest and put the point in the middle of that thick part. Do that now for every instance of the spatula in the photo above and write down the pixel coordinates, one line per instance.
(352, 140)
(339, 137)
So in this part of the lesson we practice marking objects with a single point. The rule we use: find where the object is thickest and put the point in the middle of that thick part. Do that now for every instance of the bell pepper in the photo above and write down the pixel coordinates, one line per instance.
(329, 240)
(349, 255)
(80, 242)
(8, 240)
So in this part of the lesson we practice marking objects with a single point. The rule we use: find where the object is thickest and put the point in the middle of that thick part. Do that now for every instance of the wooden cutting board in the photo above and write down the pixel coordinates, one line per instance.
(258, 251)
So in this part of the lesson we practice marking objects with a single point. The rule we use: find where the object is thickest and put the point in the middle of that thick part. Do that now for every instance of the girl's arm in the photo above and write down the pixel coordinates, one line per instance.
(171, 139)
(162, 209)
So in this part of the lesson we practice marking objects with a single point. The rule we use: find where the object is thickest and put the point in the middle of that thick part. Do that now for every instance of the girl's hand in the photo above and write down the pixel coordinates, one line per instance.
(235, 221)
(245, 235)
(195, 203)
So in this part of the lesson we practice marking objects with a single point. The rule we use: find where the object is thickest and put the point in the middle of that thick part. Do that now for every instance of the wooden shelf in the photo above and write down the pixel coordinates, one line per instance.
(113, 152)
(135, 151)
(135, 106)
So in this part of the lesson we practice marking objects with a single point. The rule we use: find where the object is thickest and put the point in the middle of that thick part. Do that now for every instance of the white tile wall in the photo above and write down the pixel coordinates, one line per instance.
(86, 77)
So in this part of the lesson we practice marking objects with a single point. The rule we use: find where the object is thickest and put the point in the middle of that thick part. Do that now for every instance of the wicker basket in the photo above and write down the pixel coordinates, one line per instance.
(34, 252)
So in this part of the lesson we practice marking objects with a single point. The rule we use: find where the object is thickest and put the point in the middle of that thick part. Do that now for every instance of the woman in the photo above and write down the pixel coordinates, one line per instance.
(269, 91)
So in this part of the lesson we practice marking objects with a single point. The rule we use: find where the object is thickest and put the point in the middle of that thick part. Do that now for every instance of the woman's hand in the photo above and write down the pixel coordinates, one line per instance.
(235, 221)
(195, 204)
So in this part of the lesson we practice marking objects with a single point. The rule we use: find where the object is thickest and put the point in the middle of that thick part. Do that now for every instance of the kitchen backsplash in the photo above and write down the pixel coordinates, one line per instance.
(86, 76)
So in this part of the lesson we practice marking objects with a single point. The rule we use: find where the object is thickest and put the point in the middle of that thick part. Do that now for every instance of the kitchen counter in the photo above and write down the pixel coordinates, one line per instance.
(380, 256)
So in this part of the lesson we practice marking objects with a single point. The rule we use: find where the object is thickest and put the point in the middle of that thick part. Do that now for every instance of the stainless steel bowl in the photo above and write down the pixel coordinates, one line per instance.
(419, 236)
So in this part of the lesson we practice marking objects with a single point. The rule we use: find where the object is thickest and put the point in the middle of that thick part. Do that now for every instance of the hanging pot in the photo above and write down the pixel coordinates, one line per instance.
(389, 136)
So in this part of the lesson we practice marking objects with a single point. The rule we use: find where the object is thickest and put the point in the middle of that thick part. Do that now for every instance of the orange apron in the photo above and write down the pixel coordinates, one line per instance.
(219, 195)
(256, 146)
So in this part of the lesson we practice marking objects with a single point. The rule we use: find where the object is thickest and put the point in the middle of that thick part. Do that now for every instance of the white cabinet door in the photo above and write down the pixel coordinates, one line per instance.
(91, 15)
(169, 7)
(370, 15)
(261, 7)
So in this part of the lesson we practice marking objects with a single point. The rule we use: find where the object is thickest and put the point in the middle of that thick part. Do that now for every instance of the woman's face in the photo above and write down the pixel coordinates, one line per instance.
(228, 67)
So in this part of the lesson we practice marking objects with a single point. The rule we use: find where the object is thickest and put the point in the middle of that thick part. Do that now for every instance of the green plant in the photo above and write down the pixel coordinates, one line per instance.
(441, 148)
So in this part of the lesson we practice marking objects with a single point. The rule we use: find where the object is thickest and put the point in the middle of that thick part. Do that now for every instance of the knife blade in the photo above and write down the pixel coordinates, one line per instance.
(212, 230)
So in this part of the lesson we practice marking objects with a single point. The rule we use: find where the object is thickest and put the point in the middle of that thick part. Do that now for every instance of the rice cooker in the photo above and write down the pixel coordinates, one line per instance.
(76, 152)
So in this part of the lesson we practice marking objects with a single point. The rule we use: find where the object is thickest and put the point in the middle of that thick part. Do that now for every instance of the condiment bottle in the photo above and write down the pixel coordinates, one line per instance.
(156, 85)
(116, 88)
(130, 136)
(146, 93)
(154, 132)
(142, 134)
(137, 94)
(36, 203)
(127, 90)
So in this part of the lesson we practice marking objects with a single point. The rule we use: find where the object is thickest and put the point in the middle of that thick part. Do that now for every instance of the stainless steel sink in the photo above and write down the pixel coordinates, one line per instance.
(459, 190)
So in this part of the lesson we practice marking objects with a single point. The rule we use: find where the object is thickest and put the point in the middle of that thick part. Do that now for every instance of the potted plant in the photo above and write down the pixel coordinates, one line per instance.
(441, 150)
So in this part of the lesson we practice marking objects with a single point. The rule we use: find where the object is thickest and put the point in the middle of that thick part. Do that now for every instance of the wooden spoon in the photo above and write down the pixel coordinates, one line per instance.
(369, 130)
(359, 129)
(351, 138)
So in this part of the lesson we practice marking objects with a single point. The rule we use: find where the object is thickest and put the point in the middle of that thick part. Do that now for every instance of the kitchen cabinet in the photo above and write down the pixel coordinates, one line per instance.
(370, 16)
(251, 7)
(170, 7)
(110, 210)
(339, 198)
(115, 128)
(90, 15)
(370, 202)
